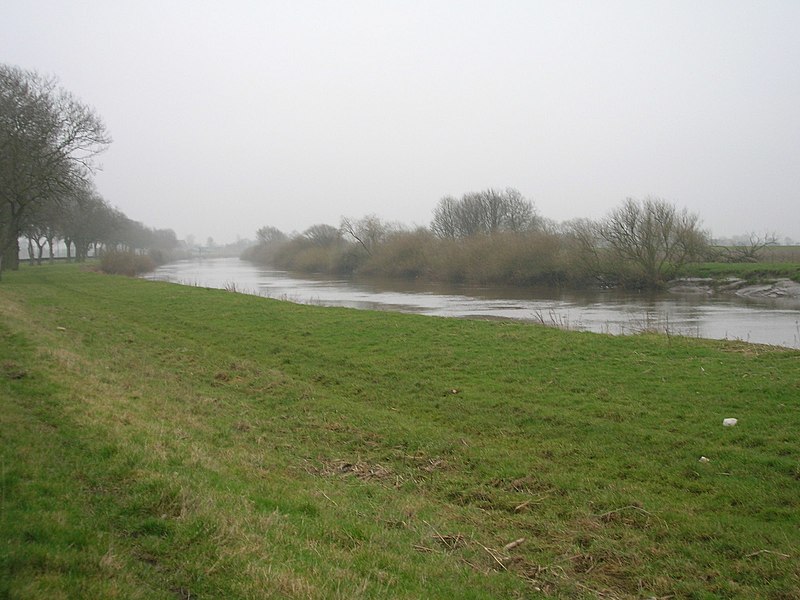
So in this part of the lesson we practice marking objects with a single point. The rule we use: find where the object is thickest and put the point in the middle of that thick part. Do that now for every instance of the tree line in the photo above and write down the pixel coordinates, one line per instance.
(49, 141)
(497, 237)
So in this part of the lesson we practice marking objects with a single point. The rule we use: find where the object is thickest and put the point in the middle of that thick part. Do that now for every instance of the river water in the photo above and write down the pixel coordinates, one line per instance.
(763, 320)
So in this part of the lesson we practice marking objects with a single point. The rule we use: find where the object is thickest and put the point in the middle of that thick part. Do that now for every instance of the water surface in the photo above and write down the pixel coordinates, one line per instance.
(765, 321)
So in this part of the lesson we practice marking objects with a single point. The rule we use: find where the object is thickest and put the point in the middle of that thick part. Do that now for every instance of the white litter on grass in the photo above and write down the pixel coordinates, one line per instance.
(729, 422)
(704, 459)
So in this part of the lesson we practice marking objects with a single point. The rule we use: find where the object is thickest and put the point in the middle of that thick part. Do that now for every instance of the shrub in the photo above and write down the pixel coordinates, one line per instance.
(505, 258)
(404, 254)
(118, 262)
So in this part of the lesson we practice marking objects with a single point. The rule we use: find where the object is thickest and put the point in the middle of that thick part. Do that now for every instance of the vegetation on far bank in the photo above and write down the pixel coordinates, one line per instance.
(755, 272)
(496, 237)
(162, 441)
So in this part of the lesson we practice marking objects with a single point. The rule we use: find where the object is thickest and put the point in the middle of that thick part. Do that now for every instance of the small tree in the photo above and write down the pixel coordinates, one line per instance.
(368, 231)
(649, 241)
(751, 250)
(270, 235)
(323, 235)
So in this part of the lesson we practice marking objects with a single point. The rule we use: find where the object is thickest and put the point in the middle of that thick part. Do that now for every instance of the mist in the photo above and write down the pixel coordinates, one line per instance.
(226, 118)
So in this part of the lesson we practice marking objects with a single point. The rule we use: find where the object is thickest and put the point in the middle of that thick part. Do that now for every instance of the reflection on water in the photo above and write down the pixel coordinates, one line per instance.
(765, 321)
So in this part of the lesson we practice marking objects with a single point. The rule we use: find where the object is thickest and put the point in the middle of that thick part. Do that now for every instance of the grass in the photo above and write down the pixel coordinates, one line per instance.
(754, 272)
(162, 441)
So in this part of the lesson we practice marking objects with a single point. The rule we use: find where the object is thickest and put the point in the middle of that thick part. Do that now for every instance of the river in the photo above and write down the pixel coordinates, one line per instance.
(718, 316)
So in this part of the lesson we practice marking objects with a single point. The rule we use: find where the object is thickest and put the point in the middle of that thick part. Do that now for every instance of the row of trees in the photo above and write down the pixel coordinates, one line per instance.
(49, 141)
(85, 222)
(498, 237)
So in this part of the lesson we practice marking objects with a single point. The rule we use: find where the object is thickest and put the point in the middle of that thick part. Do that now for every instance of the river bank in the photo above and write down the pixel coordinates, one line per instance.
(161, 440)
(779, 288)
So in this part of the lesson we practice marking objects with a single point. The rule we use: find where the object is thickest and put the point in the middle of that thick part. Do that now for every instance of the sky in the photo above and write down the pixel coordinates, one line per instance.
(229, 116)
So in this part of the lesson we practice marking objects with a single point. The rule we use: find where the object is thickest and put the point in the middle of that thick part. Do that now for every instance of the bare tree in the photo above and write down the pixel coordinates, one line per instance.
(583, 241)
(322, 235)
(652, 239)
(270, 235)
(487, 212)
(88, 221)
(42, 225)
(751, 250)
(446, 219)
(368, 231)
(48, 142)
(519, 212)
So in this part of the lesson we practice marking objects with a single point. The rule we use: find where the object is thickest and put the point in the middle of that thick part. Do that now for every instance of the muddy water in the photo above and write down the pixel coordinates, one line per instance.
(764, 321)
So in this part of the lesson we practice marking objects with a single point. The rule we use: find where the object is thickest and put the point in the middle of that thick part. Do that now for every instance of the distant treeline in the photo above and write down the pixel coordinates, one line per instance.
(497, 237)
(48, 144)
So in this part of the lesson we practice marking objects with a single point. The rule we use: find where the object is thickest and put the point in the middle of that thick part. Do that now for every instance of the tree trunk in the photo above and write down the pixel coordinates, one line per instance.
(13, 259)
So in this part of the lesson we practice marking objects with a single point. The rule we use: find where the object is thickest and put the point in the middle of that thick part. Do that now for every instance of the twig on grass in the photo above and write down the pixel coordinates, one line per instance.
(451, 541)
(514, 544)
(630, 507)
(494, 556)
(781, 554)
(432, 527)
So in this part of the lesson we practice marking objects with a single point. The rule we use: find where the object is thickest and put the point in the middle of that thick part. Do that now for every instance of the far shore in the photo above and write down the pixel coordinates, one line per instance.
(780, 288)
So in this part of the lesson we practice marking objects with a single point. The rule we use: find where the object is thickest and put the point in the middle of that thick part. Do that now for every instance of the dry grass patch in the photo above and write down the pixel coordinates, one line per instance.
(361, 470)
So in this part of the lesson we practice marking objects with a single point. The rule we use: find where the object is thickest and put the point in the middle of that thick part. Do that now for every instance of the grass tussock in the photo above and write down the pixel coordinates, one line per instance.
(159, 441)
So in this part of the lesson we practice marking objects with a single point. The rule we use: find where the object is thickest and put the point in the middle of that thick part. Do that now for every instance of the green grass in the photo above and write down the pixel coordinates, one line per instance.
(160, 441)
(754, 272)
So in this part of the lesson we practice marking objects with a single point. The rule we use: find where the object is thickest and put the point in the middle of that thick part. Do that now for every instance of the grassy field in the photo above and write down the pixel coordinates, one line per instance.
(774, 262)
(160, 441)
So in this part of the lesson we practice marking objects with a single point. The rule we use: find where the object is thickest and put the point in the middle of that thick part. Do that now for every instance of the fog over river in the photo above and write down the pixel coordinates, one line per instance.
(719, 316)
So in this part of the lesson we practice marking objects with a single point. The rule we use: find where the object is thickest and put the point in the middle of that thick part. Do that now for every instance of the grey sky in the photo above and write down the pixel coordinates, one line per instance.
(231, 115)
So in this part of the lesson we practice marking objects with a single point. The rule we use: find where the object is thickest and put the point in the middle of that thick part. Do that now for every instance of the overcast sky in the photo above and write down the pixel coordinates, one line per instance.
(227, 116)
